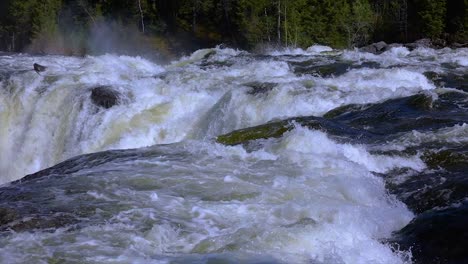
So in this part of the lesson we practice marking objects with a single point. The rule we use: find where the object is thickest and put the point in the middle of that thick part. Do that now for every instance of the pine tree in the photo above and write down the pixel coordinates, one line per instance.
(432, 15)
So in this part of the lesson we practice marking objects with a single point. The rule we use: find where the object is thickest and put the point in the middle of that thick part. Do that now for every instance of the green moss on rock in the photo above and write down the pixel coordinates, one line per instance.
(445, 159)
(277, 129)
(270, 130)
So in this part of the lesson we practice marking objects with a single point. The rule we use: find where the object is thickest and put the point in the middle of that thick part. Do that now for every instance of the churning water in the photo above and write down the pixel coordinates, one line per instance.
(374, 149)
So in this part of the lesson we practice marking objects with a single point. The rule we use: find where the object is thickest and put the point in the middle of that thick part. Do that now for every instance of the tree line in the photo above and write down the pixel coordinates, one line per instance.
(66, 25)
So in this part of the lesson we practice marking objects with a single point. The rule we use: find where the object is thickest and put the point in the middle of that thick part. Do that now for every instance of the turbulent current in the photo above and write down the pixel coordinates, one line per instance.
(223, 156)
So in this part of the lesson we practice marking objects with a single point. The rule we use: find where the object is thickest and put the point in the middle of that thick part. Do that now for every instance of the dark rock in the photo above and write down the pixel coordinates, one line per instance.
(278, 128)
(327, 70)
(380, 46)
(53, 221)
(39, 68)
(425, 42)
(374, 47)
(447, 159)
(7, 215)
(209, 54)
(259, 87)
(105, 96)
(368, 48)
(448, 79)
(343, 109)
(458, 45)
(272, 130)
(437, 236)
(421, 43)
(439, 43)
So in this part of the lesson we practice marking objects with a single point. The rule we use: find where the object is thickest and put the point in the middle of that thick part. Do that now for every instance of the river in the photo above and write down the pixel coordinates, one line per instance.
(224, 156)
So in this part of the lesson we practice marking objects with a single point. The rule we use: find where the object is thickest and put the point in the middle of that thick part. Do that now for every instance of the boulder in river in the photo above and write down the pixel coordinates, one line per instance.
(276, 129)
(421, 43)
(105, 96)
(259, 87)
(375, 48)
(39, 68)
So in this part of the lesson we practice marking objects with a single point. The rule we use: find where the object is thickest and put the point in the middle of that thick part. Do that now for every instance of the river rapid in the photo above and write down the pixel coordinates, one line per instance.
(186, 165)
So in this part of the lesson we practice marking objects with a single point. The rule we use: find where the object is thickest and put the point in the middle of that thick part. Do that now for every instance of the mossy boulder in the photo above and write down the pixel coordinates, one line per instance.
(278, 128)
(270, 130)
(326, 70)
(445, 159)
(344, 109)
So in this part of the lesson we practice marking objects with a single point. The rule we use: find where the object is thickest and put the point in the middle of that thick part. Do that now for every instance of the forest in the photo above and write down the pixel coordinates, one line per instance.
(77, 27)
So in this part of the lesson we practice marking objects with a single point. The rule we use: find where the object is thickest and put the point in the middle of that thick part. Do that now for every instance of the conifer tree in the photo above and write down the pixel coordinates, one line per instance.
(432, 15)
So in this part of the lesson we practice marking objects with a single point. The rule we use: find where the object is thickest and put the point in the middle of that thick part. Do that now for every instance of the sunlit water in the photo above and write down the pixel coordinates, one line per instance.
(168, 193)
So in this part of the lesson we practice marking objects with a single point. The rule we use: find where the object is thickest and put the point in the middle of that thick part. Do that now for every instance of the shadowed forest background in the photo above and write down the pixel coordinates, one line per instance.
(77, 27)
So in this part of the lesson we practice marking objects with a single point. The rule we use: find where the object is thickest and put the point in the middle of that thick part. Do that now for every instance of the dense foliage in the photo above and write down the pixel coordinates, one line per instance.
(78, 26)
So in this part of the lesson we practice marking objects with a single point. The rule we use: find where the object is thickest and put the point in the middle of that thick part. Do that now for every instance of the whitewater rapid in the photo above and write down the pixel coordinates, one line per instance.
(170, 194)
(47, 118)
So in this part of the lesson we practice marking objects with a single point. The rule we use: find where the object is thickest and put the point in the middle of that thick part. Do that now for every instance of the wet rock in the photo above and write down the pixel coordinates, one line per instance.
(7, 215)
(272, 130)
(328, 70)
(421, 43)
(105, 96)
(39, 68)
(369, 49)
(260, 87)
(418, 112)
(380, 46)
(439, 43)
(343, 109)
(425, 42)
(436, 236)
(448, 79)
(445, 159)
(33, 222)
(209, 54)
(377, 47)
(458, 45)
(278, 128)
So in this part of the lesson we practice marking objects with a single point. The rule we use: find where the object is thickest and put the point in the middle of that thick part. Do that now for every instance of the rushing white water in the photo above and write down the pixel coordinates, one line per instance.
(48, 118)
(291, 201)
(300, 198)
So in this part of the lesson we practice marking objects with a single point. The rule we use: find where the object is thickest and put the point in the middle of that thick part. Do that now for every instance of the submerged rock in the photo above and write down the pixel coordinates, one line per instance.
(105, 96)
(260, 87)
(34, 222)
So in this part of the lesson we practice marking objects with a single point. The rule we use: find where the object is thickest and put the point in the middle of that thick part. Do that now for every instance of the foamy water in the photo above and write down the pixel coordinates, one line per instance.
(301, 198)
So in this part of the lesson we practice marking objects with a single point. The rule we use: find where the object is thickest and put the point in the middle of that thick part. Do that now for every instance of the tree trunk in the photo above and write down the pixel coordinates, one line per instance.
(278, 28)
(285, 27)
(194, 18)
(141, 15)
(268, 26)
(13, 42)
